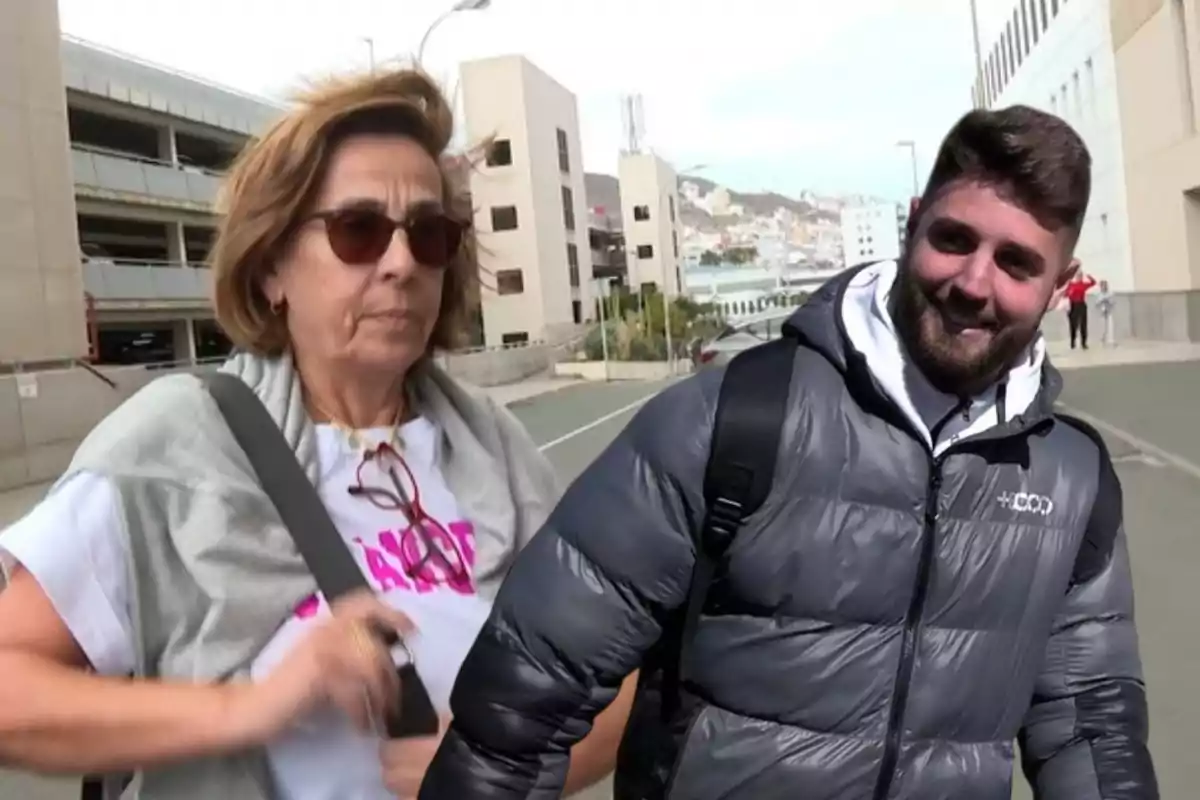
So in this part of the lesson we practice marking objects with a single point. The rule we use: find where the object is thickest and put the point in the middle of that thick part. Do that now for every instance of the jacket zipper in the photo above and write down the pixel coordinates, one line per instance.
(912, 628)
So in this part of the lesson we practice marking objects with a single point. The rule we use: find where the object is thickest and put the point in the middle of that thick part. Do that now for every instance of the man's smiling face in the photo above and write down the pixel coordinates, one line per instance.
(977, 277)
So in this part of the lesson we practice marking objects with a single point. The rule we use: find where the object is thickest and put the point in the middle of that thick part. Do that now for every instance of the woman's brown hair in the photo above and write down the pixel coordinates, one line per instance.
(274, 180)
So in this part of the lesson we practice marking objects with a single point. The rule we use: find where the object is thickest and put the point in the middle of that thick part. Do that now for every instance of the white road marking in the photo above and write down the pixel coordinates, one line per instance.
(1177, 461)
(595, 422)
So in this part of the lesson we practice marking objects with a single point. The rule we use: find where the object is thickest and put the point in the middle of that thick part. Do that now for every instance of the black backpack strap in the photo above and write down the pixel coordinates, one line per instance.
(1107, 509)
(751, 407)
(304, 515)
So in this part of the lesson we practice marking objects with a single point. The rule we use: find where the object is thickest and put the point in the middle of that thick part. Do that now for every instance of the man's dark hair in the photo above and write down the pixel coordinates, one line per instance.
(1034, 159)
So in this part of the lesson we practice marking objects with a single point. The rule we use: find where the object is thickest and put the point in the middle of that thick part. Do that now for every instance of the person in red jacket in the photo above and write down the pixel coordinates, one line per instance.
(1077, 312)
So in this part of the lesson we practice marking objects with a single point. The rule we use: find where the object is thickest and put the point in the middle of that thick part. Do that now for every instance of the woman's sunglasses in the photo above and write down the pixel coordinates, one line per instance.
(360, 236)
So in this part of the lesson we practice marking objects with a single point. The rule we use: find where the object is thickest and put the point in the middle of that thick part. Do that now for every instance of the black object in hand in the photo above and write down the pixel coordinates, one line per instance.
(417, 715)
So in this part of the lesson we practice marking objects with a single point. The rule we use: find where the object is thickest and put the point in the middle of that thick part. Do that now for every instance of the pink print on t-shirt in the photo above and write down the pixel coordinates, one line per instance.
(394, 557)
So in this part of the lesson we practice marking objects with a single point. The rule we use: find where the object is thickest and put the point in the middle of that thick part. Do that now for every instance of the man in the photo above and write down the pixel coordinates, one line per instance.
(1077, 310)
(938, 568)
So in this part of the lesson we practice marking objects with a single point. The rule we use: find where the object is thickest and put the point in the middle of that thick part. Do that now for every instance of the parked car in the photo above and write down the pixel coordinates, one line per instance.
(747, 333)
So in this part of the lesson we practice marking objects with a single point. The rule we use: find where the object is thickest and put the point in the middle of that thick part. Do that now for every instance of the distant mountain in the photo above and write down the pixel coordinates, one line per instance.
(604, 190)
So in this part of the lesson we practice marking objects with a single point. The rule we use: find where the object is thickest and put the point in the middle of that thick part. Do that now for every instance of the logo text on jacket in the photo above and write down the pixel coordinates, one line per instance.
(1026, 502)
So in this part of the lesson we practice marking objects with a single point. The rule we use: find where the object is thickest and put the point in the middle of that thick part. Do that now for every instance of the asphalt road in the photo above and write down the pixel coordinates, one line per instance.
(1149, 418)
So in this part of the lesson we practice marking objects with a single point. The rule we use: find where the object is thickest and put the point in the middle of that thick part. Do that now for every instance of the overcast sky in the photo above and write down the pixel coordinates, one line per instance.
(770, 94)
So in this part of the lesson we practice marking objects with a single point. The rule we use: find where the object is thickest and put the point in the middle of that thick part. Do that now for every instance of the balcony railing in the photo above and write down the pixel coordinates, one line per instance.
(111, 280)
(127, 176)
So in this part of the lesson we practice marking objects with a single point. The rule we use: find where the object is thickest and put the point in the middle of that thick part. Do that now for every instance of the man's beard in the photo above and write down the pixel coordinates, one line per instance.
(951, 363)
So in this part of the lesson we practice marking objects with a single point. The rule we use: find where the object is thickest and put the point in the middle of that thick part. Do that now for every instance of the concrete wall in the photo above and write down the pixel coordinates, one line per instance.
(616, 370)
(1158, 71)
(1145, 316)
(41, 305)
(45, 415)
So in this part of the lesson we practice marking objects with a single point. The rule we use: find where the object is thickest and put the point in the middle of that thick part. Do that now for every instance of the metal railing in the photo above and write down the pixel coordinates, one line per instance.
(141, 159)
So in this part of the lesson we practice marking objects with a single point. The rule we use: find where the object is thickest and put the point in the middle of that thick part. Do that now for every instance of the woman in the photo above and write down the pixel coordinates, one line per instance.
(340, 264)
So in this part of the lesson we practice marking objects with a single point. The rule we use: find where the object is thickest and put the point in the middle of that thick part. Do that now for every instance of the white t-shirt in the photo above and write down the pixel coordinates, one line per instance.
(72, 544)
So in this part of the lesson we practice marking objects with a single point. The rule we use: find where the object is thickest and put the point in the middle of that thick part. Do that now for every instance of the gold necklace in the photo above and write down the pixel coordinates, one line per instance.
(353, 437)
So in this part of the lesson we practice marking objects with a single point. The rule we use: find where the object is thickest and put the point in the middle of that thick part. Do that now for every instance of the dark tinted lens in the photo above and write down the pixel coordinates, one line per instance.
(434, 239)
(359, 236)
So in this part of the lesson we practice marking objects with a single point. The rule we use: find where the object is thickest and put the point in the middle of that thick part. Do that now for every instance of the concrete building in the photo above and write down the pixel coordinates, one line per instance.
(649, 209)
(1157, 59)
(1058, 56)
(531, 212)
(42, 305)
(870, 232)
(148, 146)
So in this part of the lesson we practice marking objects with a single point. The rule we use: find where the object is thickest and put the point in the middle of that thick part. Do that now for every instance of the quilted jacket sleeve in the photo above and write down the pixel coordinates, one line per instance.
(583, 602)
(1085, 736)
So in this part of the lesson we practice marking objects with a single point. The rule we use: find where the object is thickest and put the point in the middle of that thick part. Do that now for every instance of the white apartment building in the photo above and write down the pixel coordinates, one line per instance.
(649, 210)
(870, 232)
(530, 210)
(1058, 56)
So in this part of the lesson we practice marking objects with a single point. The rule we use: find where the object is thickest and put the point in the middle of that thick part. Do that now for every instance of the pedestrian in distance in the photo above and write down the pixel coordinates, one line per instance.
(1077, 310)
(260, 584)
(857, 562)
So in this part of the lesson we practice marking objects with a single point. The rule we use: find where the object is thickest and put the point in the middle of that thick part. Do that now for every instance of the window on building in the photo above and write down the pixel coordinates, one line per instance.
(645, 251)
(1025, 27)
(641, 213)
(1034, 27)
(573, 263)
(514, 338)
(675, 242)
(564, 154)
(568, 204)
(577, 311)
(1054, 8)
(1015, 27)
(649, 287)
(500, 153)
(510, 281)
(504, 218)
(671, 204)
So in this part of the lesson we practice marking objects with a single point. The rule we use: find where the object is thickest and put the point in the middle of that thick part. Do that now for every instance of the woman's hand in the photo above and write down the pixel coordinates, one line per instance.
(405, 761)
(344, 661)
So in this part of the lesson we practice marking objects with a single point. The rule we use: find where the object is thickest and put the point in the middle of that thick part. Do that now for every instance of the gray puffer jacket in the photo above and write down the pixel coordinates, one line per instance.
(884, 627)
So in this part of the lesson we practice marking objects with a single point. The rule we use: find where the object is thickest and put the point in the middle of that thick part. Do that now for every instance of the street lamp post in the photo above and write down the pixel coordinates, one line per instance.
(603, 332)
(370, 52)
(979, 103)
(461, 5)
(911, 146)
(666, 278)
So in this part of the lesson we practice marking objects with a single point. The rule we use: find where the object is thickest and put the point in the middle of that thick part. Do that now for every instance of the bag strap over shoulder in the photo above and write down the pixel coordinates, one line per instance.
(306, 519)
(290, 490)
(751, 409)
